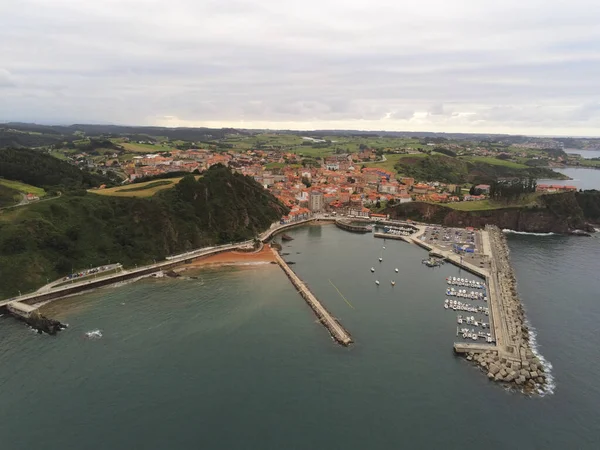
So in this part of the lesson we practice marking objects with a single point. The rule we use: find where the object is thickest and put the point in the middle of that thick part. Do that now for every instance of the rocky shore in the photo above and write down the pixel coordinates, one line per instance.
(513, 361)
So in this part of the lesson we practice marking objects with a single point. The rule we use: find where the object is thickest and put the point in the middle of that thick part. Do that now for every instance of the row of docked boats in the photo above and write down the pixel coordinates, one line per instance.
(462, 293)
(475, 335)
(463, 282)
(471, 320)
(456, 305)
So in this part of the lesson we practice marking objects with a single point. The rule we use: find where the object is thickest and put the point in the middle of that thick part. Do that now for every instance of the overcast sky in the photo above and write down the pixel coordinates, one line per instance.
(516, 66)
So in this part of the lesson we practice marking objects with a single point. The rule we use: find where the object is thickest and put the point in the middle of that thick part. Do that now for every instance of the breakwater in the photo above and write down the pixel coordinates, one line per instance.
(339, 334)
(347, 225)
(512, 360)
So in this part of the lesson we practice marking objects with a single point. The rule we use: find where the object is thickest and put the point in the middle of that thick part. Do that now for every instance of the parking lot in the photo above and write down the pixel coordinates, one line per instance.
(461, 240)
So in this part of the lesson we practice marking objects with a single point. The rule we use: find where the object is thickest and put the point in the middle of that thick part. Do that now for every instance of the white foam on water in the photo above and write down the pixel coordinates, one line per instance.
(550, 385)
(507, 231)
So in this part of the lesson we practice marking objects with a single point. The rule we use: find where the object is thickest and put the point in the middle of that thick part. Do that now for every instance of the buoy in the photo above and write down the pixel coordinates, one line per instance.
(377, 282)
(396, 270)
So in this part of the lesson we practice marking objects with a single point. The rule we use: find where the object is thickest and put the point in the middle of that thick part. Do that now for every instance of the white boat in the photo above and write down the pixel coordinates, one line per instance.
(393, 283)
(372, 269)
(377, 282)
(396, 270)
(384, 247)
(380, 259)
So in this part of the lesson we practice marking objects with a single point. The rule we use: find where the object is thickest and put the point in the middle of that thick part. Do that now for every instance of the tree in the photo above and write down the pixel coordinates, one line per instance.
(306, 182)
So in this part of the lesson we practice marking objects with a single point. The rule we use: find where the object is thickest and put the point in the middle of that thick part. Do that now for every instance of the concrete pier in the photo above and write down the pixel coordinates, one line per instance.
(338, 333)
(347, 225)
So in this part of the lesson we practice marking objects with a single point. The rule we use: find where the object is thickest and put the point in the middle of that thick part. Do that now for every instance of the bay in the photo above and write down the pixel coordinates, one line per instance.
(235, 359)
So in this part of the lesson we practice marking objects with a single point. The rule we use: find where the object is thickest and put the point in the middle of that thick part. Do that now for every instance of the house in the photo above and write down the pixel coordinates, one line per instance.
(485, 188)
(32, 197)
(404, 198)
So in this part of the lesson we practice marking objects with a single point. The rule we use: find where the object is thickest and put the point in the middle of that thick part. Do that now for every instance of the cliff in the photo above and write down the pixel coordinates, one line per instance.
(557, 213)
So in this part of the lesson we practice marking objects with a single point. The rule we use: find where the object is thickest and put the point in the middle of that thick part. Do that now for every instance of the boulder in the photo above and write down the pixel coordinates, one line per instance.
(498, 377)
(494, 369)
(490, 376)
(540, 380)
(533, 374)
(520, 381)
(469, 358)
(503, 372)
(524, 373)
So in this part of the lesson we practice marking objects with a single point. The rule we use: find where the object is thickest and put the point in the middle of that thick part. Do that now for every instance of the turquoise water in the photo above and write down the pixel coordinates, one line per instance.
(236, 359)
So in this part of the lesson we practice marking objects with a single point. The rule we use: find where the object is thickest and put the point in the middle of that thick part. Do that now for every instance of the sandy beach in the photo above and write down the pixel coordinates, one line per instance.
(232, 258)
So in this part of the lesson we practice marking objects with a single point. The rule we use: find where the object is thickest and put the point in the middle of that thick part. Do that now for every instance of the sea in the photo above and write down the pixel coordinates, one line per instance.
(586, 154)
(233, 358)
(581, 178)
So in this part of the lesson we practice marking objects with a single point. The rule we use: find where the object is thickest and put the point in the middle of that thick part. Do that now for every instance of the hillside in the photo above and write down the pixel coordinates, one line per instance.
(40, 169)
(8, 196)
(455, 170)
(559, 213)
(49, 239)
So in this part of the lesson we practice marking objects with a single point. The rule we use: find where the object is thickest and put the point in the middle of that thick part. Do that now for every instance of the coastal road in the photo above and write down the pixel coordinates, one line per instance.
(176, 259)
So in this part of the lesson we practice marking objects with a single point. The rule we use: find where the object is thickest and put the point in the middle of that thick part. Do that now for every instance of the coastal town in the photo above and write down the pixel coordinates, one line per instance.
(354, 184)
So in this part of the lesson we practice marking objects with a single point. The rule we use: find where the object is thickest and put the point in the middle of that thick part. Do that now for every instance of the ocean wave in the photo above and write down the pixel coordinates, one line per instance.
(550, 385)
(506, 230)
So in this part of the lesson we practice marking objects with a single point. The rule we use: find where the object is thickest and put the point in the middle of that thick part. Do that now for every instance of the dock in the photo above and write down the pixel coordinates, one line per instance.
(347, 225)
(339, 334)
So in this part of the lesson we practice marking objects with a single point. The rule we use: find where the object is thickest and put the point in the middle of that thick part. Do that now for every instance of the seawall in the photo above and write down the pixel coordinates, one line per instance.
(339, 334)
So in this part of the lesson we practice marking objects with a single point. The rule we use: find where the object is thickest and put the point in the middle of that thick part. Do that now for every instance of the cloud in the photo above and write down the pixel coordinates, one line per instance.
(6, 79)
(431, 65)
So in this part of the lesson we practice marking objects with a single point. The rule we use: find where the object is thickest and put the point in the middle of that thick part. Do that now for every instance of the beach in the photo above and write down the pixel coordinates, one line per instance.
(265, 255)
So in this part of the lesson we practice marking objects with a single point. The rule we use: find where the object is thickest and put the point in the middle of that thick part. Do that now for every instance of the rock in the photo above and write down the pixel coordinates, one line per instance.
(520, 381)
(498, 377)
(503, 372)
(540, 380)
(490, 376)
(469, 358)
(483, 364)
(533, 374)
(523, 373)
(494, 369)
(510, 377)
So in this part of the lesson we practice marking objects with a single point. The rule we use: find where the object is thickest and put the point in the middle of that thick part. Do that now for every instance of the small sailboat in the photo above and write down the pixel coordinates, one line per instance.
(393, 283)
(377, 282)
(396, 270)
(372, 269)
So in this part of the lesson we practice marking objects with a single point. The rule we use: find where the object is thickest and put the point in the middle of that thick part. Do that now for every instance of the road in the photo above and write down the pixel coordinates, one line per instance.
(156, 266)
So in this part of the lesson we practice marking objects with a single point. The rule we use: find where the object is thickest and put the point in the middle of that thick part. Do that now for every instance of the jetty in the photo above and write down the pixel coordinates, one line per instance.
(339, 334)
(350, 225)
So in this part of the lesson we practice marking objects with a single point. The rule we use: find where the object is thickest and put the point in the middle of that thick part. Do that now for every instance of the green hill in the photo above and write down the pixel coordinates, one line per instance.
(49, 239)
(455, 170)
(43, 170)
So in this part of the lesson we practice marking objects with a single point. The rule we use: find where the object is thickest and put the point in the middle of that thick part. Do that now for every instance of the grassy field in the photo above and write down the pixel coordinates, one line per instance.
(482, 205)
(391, 161)
(23, 188)
(144, 148)
(495, 162)
(147, 189)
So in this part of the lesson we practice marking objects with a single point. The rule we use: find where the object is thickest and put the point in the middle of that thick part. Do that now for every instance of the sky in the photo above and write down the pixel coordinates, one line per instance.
(516, 66)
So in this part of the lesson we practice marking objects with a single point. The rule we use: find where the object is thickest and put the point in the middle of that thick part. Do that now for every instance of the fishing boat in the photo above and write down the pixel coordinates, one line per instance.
(372, 269)
(380, 259)
(393, 283)
(286, 237)
(377, 282)
(396, 270)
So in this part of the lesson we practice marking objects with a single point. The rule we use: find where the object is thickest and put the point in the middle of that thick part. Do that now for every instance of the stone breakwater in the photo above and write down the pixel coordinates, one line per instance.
(513, 360)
